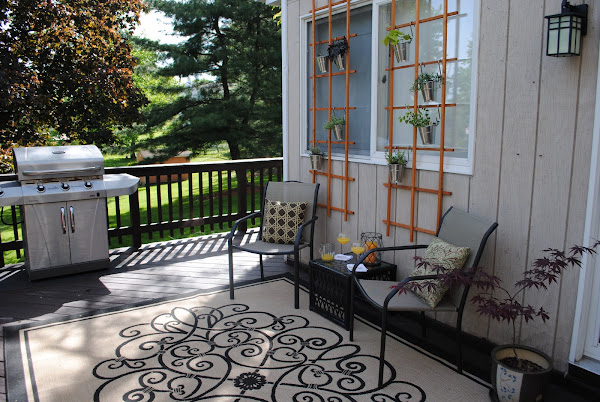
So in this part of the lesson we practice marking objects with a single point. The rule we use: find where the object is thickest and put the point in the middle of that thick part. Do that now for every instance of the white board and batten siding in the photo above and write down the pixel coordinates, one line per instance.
(533, 136)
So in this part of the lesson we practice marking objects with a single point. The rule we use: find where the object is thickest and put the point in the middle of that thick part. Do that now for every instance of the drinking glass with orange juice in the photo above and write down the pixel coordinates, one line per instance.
(342, 239)
(327, 251)
(358, 248)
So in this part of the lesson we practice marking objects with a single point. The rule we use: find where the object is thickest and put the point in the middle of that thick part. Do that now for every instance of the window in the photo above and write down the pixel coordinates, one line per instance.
(368, 123)
(458, 77)
(359, 118)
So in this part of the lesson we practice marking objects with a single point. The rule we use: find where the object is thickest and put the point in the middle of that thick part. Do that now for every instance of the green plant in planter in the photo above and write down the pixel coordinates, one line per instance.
(423, 78)
(396, 158)
(394, 37)
(420, 118)
(334, 121)
(337, 48)
(315, 151)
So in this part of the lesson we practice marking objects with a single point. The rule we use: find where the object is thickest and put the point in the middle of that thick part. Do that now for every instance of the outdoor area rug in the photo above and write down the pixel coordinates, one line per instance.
(208, 347)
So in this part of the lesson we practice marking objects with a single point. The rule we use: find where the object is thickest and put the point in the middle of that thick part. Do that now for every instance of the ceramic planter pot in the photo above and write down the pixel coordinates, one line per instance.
(396, 173)
(338, 131)
(315, 162)
(428, 91)
(322, 63)
(427, 134)
(401, 51)
(515, 385)
(339, 61)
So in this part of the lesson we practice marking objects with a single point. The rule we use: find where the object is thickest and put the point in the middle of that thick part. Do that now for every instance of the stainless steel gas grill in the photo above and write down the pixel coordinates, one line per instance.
(63, 191)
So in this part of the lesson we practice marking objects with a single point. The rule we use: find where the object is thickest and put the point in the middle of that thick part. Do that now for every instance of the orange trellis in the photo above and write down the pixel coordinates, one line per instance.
(411, 226)
(316, 80)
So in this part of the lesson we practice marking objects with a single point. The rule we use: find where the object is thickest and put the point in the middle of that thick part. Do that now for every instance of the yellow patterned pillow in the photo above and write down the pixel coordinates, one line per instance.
(282, 220)
(439, 253)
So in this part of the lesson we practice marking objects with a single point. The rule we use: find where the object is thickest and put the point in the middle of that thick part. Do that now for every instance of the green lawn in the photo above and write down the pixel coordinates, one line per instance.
(7, 231)
(174, 195)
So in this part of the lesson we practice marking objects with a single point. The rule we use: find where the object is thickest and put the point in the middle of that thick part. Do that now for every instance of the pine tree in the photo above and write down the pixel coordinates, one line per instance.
(236, 45)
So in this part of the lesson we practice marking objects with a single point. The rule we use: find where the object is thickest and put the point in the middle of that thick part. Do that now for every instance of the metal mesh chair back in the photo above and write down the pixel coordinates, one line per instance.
(293, 191)
(465, 230)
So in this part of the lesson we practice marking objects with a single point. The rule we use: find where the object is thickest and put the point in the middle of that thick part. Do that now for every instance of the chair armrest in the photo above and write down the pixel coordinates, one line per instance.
(301, 228)
(236, 223)
(392, 248)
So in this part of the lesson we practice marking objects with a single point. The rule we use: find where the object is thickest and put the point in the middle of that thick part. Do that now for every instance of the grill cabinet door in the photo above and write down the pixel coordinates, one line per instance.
(46, 242)
(87, 230)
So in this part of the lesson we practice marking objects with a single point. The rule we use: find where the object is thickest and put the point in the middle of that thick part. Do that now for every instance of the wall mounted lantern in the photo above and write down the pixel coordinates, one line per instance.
(566, 29)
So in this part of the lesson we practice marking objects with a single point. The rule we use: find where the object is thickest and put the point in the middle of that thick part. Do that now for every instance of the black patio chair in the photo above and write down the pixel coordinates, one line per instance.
(458, 228)
(290, 191)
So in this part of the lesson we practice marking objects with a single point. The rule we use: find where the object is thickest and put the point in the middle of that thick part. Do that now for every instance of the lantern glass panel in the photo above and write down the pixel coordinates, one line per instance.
(553, 35)
(563, 36)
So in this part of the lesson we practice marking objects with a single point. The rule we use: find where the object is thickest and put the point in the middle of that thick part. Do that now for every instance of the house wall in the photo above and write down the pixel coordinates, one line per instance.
(534, 124)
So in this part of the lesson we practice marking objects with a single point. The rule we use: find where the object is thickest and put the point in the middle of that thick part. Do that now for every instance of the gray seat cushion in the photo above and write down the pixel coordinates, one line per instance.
(261, 247)
(378, 290)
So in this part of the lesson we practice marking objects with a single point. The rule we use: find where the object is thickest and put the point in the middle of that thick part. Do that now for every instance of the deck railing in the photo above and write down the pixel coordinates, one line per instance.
(172, 201)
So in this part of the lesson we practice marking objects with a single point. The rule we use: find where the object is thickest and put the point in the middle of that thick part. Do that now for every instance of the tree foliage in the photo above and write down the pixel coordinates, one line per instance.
(66, 70)
(237, 44)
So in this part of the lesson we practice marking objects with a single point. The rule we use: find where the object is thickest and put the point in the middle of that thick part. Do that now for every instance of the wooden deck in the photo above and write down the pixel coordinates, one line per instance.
(155, 270)
(174, 268)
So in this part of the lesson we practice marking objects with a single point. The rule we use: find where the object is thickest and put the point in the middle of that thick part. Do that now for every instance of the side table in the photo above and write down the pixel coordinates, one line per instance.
(330, 287)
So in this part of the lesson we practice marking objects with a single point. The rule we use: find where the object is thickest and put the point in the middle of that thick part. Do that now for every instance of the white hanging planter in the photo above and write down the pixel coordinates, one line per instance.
(396, 173)
(427, 134)
(322, 63)
(315, 161)
(338, 131)
(401, 51)
(339, 61)
(428, 91)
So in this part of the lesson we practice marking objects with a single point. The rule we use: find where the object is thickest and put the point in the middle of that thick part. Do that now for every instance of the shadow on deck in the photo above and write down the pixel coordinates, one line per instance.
(155, 270)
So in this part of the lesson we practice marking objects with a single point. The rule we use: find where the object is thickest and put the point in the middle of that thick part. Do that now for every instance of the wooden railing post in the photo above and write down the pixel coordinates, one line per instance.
(134, 212)
(242, 187)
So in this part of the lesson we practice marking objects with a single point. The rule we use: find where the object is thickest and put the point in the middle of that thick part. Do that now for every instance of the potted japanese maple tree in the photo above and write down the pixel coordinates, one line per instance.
(519, 373)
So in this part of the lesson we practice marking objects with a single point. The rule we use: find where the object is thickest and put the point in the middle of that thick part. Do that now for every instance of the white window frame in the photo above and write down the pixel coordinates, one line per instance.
(425, 162)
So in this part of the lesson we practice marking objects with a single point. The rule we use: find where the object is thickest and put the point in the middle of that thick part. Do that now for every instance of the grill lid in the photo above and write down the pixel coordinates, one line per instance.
(64, 161)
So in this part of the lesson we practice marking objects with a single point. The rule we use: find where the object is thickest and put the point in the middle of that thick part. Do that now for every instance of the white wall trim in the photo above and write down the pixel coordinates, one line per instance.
(584, 292)
(284, 89)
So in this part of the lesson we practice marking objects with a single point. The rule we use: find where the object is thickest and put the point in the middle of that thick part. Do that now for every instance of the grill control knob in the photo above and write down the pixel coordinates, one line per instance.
(65, 186)
(88, 184)
(41, 188)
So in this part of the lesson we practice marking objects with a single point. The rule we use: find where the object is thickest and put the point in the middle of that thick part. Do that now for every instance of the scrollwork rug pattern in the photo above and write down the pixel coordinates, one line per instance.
(209, 348)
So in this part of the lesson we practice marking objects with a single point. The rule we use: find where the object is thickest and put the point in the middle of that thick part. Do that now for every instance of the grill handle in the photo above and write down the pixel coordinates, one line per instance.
(55, 172)
(72, 213)
(63, 220)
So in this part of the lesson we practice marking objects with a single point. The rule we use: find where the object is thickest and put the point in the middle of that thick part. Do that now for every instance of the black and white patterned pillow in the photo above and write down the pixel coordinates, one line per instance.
(282, 220)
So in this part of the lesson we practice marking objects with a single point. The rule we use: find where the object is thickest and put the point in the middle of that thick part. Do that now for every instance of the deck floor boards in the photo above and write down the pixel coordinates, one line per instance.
(154, 271)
